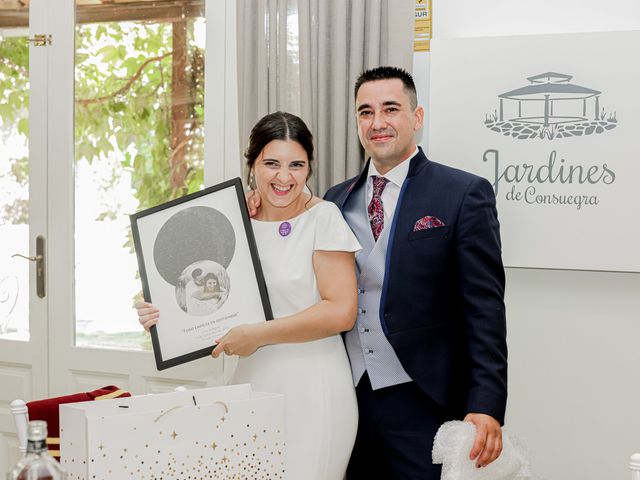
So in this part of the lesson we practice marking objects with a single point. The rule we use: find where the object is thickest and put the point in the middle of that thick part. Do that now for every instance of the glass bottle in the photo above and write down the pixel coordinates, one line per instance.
(37, 464)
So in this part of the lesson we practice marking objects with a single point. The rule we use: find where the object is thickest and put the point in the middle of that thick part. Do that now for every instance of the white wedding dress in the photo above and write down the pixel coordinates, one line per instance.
(320, 404)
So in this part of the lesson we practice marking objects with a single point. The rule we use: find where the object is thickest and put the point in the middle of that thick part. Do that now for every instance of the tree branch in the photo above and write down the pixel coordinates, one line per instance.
(126, 86)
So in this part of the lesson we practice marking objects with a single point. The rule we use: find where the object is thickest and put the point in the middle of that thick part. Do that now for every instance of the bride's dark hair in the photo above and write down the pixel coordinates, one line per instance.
(278, 126)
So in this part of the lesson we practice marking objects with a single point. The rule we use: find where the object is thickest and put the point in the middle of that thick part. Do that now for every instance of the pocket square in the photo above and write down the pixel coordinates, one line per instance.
(427, 222)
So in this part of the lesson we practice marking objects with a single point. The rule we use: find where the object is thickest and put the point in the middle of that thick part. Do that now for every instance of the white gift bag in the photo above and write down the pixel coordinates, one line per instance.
(226, 432)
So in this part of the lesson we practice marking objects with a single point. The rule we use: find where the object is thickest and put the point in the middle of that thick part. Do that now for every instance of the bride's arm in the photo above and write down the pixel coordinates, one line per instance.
(334, 313)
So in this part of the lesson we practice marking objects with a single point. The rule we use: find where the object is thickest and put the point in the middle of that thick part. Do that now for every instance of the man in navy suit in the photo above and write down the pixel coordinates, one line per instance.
(429, 344)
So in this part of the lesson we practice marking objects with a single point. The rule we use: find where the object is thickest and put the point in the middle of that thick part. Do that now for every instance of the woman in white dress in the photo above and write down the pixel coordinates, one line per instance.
(307, 254)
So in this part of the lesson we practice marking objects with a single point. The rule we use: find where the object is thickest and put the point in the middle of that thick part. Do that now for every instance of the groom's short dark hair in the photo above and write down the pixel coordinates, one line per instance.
(389, 73)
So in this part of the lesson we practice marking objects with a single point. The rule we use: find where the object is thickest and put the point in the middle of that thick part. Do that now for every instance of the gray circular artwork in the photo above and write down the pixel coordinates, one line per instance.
(202, 288)
(194, 238)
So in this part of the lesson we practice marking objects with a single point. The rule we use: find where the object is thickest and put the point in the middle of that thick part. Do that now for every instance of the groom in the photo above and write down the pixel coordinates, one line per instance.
(429, 344)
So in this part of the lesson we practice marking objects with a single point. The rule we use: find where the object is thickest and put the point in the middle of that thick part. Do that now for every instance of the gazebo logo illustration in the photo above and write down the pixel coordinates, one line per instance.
(550, 107)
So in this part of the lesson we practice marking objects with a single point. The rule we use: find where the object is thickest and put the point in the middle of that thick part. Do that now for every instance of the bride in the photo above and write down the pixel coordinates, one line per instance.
(307, 254)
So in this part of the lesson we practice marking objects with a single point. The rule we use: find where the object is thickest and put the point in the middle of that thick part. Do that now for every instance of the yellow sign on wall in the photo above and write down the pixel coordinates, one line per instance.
(422, 29)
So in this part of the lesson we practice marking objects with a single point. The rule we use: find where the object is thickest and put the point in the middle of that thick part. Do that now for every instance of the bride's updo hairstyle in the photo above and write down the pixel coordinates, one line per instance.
(277, 126)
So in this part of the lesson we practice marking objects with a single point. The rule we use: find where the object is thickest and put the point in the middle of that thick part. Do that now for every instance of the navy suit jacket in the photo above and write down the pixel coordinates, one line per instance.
(442, 305)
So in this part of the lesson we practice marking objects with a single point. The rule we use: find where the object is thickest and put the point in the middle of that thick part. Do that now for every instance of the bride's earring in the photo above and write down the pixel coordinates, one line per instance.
(252, 181)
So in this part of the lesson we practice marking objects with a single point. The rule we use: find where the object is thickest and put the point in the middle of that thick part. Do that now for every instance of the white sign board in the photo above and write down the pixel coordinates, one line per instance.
(553, 122)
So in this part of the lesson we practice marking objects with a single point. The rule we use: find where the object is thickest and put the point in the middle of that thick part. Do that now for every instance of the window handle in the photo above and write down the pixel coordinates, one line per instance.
(33, 259)
(39, 259)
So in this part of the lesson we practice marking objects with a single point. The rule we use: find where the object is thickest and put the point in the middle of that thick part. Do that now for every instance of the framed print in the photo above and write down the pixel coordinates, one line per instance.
(199, 265)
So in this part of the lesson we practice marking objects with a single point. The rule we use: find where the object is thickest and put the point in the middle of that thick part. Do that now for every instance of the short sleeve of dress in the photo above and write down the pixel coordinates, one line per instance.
(332, 233)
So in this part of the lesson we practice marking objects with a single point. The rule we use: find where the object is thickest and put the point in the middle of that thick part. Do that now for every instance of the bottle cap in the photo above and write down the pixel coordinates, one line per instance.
(37, 430)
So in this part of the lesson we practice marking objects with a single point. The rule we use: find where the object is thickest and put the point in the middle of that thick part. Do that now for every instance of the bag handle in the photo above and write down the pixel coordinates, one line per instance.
(220, 402)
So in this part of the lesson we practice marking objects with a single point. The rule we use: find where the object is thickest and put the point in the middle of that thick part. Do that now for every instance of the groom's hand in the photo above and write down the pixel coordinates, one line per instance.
(253, 202)
(488, 443)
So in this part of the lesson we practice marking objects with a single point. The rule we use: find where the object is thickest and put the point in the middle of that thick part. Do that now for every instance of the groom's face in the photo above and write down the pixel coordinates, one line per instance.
(387, 122)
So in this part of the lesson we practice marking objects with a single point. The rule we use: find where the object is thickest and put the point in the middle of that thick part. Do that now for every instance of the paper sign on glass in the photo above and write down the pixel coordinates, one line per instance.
(199, 265)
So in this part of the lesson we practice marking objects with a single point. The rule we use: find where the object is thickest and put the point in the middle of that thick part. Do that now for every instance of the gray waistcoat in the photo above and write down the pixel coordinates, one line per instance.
(367, 346)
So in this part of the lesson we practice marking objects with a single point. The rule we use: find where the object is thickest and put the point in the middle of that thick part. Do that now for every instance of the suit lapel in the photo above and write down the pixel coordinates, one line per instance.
(417, 166)
(357, 182)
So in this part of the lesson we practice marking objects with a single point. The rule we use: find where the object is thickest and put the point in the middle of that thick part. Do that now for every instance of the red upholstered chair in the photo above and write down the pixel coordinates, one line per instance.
(47, 410)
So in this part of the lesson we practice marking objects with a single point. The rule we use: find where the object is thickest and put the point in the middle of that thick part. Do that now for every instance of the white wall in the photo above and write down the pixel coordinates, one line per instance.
(574, 336)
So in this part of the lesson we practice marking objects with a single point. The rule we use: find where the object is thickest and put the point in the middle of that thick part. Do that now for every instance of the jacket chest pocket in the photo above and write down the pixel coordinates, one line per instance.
(435, 232)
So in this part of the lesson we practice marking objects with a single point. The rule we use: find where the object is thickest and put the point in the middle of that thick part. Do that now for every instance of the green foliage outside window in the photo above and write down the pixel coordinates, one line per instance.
(14, 105)
(124, 107)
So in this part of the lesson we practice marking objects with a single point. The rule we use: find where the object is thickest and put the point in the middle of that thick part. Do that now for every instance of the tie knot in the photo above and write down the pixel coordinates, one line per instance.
(378, 185)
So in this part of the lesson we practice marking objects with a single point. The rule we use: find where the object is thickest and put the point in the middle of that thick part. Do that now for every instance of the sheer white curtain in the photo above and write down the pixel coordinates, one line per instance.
(268, 72)
(304, 56)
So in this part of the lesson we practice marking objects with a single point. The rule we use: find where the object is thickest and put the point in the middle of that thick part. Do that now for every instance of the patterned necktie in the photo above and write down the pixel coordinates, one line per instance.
(375, 208)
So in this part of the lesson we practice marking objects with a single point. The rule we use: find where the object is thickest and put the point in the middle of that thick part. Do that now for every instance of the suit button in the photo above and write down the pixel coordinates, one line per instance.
(362, 311)
(369, 351)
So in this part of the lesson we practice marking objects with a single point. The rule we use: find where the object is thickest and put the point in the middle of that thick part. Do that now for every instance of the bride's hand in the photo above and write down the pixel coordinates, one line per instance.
(253, 202)
(242, 340)
(148, 314)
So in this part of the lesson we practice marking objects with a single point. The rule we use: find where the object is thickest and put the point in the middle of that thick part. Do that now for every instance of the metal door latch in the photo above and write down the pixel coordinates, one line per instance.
(39, 259)
(41, 40)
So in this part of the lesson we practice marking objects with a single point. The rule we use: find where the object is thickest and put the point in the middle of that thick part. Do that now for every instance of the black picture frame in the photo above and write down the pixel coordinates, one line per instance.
(188, 246)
